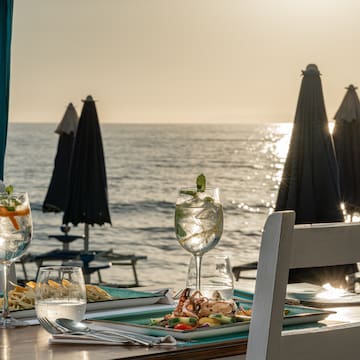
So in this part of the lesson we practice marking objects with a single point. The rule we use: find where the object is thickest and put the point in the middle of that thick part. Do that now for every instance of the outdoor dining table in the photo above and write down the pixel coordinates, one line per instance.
(32, 342)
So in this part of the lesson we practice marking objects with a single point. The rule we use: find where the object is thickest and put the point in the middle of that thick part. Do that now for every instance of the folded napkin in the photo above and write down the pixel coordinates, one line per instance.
(166, 297)
(84, 339)
(110, 336)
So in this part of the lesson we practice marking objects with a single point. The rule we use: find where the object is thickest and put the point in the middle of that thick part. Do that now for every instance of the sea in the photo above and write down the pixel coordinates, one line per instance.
(146, 166)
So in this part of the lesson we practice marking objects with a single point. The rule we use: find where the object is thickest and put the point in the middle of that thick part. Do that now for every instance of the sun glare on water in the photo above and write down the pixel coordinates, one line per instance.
(282, 145)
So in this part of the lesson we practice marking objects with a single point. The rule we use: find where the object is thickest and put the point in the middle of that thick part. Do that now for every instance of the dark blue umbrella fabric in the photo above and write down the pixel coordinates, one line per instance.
(57, 194)
(88, 196)
(346, 136)
(6, 11)
(310, 180)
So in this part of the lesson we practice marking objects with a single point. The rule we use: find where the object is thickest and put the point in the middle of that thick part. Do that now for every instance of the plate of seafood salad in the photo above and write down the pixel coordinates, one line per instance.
(197, 316)
(195, 311)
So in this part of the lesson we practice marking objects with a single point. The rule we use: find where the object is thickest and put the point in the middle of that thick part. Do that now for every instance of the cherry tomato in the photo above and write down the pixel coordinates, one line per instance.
(183, 327)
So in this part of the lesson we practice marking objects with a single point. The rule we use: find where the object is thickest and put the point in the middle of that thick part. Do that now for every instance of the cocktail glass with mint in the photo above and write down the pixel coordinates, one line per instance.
(198, 221)
(15, 236)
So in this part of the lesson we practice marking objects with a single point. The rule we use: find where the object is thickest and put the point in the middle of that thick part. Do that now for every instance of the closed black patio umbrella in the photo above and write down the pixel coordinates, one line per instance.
(346, 136)
(87, 194)
(56, 197)
(310, 180)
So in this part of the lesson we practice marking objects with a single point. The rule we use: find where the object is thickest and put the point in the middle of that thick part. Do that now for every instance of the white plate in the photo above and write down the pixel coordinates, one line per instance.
(303, 291)
(314, 295)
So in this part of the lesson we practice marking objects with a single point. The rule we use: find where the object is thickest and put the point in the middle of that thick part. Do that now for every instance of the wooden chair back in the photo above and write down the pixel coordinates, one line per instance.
(285, 246)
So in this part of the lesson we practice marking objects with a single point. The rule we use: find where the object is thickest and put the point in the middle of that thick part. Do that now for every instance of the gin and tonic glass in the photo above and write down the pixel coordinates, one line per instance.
(198, 223)
(15, 236)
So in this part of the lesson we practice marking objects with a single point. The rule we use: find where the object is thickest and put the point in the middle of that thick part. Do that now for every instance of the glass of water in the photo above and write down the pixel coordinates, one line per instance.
(60, 293)
(217, 280)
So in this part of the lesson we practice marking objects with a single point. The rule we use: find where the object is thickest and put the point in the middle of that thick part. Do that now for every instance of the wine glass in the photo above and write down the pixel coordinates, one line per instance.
(198, 223)
(60, 293)
(15, 236)
(217, 281)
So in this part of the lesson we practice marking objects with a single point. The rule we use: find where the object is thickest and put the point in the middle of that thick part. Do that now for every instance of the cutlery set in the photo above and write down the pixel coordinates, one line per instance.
(70, 327)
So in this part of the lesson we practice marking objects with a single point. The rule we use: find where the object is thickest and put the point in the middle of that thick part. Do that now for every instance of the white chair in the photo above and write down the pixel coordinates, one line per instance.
(286, 246)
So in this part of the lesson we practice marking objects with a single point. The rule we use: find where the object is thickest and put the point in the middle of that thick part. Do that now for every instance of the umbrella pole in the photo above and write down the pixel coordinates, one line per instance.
(86, 238)
(86, 249)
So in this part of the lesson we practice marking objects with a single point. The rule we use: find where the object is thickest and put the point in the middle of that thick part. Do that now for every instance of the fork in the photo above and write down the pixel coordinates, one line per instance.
(143, 339)
(50, 327)
(55, 329)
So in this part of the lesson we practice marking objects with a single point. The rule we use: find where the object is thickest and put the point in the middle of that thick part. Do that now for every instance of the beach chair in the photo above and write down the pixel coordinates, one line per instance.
(239, 269)
(123, 260)
(285, 246)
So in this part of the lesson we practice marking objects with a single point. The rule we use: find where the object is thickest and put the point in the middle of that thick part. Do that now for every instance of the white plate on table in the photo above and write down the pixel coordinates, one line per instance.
(318, 296)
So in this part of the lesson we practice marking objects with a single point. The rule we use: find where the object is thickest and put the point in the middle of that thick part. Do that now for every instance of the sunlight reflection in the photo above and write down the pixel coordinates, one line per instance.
(277, 145)
(5, 351)
(331, 293)
(282, 145)
(247, 208)
(354, 218)
(350, 217)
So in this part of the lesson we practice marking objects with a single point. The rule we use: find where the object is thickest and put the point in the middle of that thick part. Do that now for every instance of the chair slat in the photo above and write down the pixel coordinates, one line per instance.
(321, 245)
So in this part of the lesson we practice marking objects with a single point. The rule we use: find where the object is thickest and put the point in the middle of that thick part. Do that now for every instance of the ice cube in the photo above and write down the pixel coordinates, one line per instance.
(209, 212)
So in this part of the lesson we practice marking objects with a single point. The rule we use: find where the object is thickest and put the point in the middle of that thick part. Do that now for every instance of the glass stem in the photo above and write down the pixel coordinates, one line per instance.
(198, 259)
(5, 311)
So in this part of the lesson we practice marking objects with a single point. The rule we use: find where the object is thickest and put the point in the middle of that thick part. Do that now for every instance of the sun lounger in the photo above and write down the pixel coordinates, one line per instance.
(93, 261)
(237, 270)
(124, 260)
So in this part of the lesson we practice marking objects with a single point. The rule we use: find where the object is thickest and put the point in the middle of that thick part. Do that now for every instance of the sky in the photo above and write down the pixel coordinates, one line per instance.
(183, 61)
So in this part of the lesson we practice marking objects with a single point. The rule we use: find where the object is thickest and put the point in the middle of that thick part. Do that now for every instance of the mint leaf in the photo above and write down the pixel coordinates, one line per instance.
(180, 231)
(188, 192)
(201, 183)
(9, 189)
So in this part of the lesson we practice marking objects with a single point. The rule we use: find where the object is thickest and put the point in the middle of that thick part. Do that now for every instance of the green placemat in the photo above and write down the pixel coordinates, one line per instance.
(247, 295)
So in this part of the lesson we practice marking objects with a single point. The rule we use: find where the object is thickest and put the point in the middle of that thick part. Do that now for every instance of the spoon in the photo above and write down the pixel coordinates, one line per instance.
(79, 327)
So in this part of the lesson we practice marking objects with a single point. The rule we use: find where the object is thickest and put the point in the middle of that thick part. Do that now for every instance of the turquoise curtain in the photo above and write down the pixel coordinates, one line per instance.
(6, 11)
